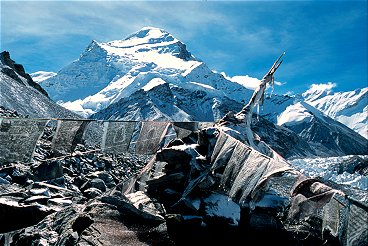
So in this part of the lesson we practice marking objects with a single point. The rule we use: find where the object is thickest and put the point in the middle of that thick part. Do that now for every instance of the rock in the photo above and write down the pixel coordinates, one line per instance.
(91, 193)
(176, 156)
(41, 199)
(271, 203)
(19, 216)
(81, 223)
(3, 181)
(220, 208)
(48, 170)
(40, 191)
(263, 222)
(94, 183)
(55, 229)
(105, 176)
(19, 173)
(355, 164)
(59, 202)
(139, 211)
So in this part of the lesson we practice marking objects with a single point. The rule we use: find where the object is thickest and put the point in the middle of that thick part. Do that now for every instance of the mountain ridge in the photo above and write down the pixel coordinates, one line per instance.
(21, 94)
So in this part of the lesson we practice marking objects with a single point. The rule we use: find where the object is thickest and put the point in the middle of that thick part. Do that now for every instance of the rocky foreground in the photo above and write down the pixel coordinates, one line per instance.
(196, 190)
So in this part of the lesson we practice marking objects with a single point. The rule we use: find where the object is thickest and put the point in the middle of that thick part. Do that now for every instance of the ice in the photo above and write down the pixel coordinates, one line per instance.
(327, 168)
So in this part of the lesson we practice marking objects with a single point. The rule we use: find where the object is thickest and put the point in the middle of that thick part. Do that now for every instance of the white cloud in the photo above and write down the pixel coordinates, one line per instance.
(104, 20)
(278, 83)
(327, 87)
(246, 81)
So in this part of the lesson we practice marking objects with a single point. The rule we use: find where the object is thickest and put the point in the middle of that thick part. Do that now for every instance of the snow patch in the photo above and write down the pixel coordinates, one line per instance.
(294, 114)
(153, 83)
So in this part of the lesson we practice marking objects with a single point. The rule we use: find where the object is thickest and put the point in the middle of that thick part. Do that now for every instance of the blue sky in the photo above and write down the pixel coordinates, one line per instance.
(324, 41)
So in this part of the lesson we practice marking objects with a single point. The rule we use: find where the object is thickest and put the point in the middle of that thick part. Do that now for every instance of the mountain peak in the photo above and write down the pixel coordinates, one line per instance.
(152, 35)
(317, 91)
(146, 36)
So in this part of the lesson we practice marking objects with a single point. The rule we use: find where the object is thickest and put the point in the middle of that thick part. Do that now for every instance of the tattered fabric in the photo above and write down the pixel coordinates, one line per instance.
(117, 137)
(331, 217)
(19, 138)
(184, 129)
(237, 159)
(223, 152)
(308, 197)
(68, 134)
(248, 176)
(150, 137)
(357, 232)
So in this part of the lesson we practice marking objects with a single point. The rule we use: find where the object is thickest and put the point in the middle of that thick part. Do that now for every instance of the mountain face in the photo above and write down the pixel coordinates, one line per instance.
(16, 72)
(151, 76)
(350, 108)
(321, 131)
(20, 93)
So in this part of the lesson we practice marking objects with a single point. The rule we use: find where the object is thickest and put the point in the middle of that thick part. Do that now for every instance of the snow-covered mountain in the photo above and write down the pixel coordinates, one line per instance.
(41, 76)
(150, 75)
(108, 72)
(20, 93)
(349, 108)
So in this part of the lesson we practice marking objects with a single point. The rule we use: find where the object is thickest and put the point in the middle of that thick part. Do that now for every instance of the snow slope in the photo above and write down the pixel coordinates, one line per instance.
(349, 108)
(17, 93)
(41, 76)
(321, 131)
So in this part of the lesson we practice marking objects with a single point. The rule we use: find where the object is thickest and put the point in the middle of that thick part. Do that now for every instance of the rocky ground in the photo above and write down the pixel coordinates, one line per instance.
(72, 199)
(179, 196)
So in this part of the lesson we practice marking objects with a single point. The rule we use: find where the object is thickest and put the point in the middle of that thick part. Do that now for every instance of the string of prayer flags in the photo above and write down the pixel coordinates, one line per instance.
(19, 138)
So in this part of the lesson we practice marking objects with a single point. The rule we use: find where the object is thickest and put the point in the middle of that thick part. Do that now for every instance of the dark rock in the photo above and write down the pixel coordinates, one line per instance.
(355, 164)
(91, 193)
(175, 157)
(19, 216)
(26, 238)
(48, 170)
(4, 112)
(3, 181)
(80, 180)
(138, 213)
(81, 223)
(105, 176)
(94, 183)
